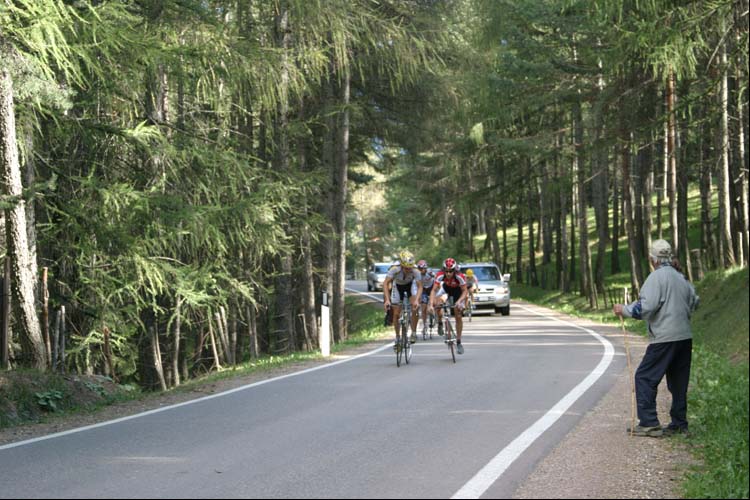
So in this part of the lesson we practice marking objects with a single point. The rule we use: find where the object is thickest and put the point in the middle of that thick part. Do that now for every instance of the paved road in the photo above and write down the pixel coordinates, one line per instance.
(362, 428)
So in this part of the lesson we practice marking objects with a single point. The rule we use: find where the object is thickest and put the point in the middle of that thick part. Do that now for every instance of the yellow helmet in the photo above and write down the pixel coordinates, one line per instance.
(470, 273)
(406, 258)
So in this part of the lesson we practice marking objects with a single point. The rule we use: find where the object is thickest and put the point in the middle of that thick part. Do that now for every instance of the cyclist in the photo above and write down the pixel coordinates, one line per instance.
(408, 283)
(428, 279)
(450, 283)
(472, 284)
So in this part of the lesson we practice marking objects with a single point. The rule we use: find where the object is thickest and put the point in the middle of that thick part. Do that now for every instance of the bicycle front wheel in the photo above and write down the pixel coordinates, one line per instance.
(407, 349)
(452, 341)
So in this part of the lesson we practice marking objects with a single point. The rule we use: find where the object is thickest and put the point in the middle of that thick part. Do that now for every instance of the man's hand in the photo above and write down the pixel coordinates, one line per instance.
(386, 305)
(617, 309)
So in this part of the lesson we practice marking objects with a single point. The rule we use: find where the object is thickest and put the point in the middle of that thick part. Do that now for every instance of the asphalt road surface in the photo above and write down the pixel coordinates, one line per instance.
(358, 428)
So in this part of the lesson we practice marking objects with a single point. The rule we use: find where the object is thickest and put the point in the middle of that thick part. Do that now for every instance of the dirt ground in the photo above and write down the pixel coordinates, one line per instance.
(597, 459)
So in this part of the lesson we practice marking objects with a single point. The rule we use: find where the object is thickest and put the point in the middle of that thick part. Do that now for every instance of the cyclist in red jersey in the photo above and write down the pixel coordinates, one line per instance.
(450, 283)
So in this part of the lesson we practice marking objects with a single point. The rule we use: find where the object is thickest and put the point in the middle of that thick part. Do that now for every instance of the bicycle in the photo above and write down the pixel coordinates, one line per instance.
(428, 324)
(427, 329)
(403, 346)
(450, 337)
(469, 306)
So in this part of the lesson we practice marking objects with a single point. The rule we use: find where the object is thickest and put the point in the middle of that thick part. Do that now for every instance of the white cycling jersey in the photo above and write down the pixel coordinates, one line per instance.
(428, 279)
(400, 277)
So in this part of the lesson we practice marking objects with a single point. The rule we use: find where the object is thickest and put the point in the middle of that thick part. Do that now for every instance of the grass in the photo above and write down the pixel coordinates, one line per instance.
(29, 396)
(718, 397)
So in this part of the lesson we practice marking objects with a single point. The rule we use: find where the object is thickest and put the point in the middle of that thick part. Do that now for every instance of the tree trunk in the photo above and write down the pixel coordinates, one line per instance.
(533, 281)
(16, 230)
(615, 257)
(671, 154)
(156, 351)
(573, 223)
(519, 240)
(338, 313)
(742, 165)
(177, 340)
(545, 208)
(726, 249)
(491, 226)
(563, 193)
(587, 288)
(648, 190)
(308, 287)
(636, 275)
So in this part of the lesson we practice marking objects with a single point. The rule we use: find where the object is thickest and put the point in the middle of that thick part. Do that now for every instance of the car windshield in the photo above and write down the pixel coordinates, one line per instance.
(381, 269)
(484, 273)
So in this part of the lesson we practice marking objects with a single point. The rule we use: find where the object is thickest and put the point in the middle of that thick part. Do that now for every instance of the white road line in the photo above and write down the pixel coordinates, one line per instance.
(367, 294)
(206, 398)
(490, 473)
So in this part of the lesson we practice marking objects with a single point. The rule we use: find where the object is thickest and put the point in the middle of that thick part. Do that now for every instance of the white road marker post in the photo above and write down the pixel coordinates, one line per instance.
(324, 337)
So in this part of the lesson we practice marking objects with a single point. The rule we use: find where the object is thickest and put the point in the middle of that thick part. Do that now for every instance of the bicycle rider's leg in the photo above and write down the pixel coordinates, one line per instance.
(396, 307)
(457, 313)
(396, 319)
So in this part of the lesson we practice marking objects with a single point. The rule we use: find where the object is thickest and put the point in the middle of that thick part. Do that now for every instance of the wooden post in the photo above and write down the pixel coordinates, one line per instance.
(217, 363)
(45, 316)
(157, 358)
(56, 342)
(740, 250)
(251, 331)
(62, 338)
(108, 354)
(5, 328)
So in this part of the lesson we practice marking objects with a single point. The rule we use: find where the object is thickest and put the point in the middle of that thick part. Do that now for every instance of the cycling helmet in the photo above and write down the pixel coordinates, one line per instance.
(422, 264)
(450, 265)
(470, 273)
(406, 259)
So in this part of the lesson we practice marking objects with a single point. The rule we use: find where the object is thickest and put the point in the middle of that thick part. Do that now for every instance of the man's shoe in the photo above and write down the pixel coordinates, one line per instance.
(397, 345)
(670, 430)
(641, 431)
(413, 338)
(460, 348)
(440, 329)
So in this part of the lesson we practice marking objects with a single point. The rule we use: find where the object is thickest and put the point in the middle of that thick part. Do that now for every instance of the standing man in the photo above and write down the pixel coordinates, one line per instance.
(666, 302)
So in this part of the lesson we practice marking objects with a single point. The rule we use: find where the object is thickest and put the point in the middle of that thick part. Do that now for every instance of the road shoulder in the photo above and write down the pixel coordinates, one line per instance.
(598, 459)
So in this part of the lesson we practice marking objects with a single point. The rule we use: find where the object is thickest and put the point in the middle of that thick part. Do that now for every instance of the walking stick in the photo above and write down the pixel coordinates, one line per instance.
(630, 375)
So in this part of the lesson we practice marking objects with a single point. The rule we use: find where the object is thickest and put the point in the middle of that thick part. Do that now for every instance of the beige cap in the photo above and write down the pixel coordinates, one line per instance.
(660, 249)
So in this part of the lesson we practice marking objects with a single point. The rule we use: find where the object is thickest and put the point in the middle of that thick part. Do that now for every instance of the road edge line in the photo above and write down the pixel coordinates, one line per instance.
(495, 468)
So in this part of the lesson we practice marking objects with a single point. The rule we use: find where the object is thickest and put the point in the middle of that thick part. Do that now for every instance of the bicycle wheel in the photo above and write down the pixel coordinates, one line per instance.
(452, 341)
(470, 307)
(399, 352)
(407, 349)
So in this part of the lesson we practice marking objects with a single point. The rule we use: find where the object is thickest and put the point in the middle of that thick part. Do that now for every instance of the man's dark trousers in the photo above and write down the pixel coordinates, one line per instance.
(672, 359)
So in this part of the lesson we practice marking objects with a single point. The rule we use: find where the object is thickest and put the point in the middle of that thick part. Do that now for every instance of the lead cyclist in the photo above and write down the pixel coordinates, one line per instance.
(408, 283)
(450, 283)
